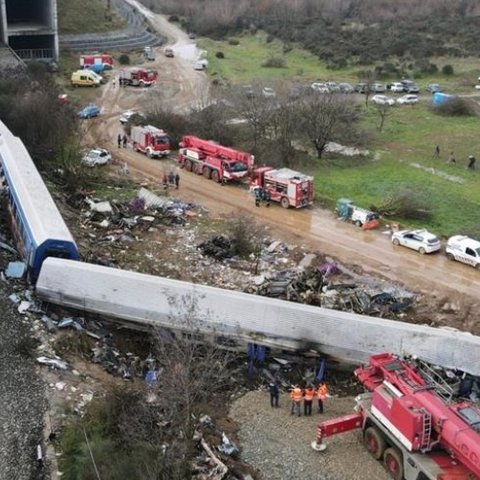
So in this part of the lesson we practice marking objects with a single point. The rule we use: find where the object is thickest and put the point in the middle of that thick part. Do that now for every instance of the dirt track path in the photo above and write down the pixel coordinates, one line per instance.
(181, 86)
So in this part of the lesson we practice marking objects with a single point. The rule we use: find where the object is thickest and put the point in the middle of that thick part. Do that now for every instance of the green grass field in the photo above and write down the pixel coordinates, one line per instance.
(87, 16)
(409, 135)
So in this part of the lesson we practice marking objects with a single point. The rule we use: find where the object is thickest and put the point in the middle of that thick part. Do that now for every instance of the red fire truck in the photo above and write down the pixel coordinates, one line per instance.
(413, 420)
(214, 161)
(87, 61)
(138, 77)
(286, 186)
(150, 140)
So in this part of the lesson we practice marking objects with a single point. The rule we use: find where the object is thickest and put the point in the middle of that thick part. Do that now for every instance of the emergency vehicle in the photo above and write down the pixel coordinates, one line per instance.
(288, 187)
(214, 161)
(464, 249)
(150, 140)
(86, 61)
(138, 77)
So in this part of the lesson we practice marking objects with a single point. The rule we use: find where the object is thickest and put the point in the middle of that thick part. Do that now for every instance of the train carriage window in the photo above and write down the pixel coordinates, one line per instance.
(57, 253)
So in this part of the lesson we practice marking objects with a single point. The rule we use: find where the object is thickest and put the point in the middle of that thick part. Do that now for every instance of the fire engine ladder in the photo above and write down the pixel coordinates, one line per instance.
(427, 430)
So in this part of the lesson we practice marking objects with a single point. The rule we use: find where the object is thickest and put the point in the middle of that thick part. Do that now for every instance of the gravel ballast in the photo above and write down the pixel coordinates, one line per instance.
(277, 444)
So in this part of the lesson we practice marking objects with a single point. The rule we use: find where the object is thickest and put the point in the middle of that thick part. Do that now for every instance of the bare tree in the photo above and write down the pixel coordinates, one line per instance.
(321, 115)
(192, 371)
(383, 111)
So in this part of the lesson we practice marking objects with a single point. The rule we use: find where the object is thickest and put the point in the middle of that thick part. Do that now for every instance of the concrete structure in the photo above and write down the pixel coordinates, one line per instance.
(29, 27)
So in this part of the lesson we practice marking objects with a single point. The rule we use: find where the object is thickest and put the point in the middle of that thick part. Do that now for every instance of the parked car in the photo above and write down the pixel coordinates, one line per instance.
(409, 99)
(268, 92)
(346, 88)
(320, 87)
(333, 87)
(464, 249)
(433, 88)
(377, 88)
(361, 87)
(168, 52)
(191, 36)
(129, 114)
(96, 156)
(200, 65)
(409, 86)
(89, 111)
(396, 87)
(297, 91)
(383, 100)
(420, 240)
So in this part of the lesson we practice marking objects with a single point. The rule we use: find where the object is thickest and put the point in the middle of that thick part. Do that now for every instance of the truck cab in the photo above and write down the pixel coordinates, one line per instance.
(464, 249)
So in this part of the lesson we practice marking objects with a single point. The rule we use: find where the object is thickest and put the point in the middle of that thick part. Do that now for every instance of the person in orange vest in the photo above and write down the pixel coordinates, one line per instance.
(322, 393)
(308, 400)
(296, 396)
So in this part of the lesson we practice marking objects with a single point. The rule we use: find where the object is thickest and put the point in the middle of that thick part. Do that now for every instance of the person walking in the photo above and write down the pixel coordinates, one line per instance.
(308, 400)
(296, 397)
(124, 141)
(451, 158)
(274, 394)
(126, 170)
(471, 162)
(119, 140)
(322, 393)
(436, 152)
(165, 181)
(177, 180)
(171, 178)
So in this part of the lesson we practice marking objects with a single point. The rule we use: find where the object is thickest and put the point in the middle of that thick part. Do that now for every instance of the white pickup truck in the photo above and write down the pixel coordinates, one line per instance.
(464, 249)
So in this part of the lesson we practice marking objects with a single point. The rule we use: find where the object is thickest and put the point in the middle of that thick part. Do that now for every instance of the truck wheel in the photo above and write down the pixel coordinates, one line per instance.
(207, 172)
(188, 166)
(374, 442)
(215, 176)
(358, 223)
(284, 202)
(141, 83)
(393, 462)
(396, 242)
(149, 153)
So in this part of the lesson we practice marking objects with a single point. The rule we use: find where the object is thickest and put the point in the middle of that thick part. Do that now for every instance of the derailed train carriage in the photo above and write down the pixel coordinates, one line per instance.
(36, 224)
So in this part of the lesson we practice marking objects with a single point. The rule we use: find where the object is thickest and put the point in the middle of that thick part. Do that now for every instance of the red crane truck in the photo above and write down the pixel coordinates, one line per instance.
(150, 140)
(214, 161)
(138, 77)
(413, 421)
(286, 186)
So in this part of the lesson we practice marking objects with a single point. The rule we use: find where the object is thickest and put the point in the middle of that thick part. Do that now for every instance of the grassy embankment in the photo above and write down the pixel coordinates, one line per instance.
(409, 136)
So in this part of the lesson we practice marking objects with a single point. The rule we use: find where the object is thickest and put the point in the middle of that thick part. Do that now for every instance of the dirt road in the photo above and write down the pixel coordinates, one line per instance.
(180, 86)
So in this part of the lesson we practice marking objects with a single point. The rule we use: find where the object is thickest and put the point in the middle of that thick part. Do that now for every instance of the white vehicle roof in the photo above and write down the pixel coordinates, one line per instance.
(34, 199)
(287, 174)
(464, 241)
(420, 231)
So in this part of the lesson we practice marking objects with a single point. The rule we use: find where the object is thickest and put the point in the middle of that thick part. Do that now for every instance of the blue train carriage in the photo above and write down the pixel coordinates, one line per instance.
(37, 226)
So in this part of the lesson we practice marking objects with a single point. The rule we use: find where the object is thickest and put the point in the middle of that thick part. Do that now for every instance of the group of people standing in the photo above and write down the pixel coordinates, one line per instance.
(300, 395)
(171, 179)
(122, 140)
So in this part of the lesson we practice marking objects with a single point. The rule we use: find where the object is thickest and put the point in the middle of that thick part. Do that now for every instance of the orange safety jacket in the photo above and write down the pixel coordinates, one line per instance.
(322, 392)
(296, 394)
(309, 392)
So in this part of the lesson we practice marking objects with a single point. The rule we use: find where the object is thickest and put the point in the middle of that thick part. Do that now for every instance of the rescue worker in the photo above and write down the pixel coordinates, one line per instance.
(296, 396)
(322, 393)
(119, 140)
(171, 178)
(165, 181)
(124, 141)
(308, 400)
(177, 180)
(274, 394)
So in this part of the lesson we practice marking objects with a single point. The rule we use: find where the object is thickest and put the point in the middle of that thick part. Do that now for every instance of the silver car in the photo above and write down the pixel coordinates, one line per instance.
(420, 240)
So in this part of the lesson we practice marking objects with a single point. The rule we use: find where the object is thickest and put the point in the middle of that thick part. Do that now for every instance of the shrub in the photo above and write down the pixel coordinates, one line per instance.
(274, 62)
(173, 18)
(220, 55)
(270, 38)
(233, 41)
(124, 59)
(406, 203)
(447, 70)
(455, 107)
(246, 237)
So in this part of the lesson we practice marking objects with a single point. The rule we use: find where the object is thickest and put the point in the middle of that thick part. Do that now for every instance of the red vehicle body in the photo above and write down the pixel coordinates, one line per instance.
(150, 140)
(214, 161)
(412, 420)
(101, 59)
(138, 77)
(286, 186)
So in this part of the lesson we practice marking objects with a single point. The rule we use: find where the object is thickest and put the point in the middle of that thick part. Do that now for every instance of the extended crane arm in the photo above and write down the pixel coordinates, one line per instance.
(334, 426)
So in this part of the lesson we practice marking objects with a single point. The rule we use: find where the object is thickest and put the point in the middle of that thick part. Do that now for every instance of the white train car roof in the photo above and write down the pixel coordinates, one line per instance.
(34, 198)
(146, 299)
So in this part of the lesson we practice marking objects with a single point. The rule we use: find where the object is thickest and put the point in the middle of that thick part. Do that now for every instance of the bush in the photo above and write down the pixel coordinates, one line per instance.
(246, 237)
(220, 55)
(456, 107)
(233, 41)
(407, 204)
(270, 38)
(274, 62)
(447, 70)
(124, 59)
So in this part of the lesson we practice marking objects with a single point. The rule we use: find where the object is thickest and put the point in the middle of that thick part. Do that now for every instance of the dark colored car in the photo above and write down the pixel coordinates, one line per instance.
(409, 86)
(433, 88)
(361, 87)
